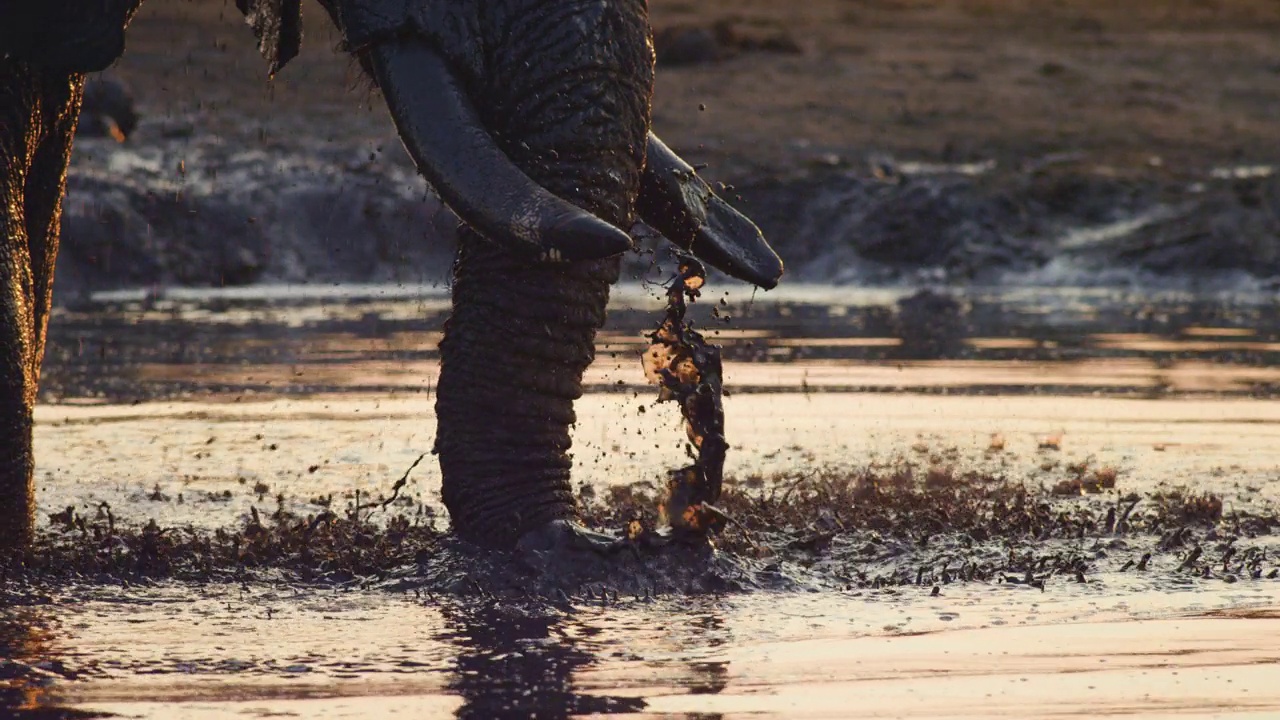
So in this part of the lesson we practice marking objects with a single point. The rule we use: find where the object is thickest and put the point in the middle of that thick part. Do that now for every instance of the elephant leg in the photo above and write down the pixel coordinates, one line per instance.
(38, 111)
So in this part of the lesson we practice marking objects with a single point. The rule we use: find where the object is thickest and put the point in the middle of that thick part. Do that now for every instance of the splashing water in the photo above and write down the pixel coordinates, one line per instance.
(688, 370)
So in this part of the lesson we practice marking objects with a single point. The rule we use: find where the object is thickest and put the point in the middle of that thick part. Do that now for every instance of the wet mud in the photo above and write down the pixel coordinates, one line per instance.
(194, 211)
(1087, 549)
(169, 209)
(819, 521)
(902, 521)
(1049, 222)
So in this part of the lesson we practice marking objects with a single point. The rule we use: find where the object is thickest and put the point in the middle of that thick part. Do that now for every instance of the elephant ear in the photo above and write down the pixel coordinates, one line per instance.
(278, 26)
(67, 36)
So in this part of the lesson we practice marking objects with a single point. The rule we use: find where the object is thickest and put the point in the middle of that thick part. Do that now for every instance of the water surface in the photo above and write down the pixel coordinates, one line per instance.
(194, 409)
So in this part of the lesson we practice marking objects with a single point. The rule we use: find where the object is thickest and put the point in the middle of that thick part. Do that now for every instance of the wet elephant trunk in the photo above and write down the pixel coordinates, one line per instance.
(38, 112)
(565, 94)
(515, 349)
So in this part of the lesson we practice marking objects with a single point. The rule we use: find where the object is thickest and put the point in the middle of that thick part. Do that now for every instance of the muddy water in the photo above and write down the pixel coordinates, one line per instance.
(194, 411)
(977, 652)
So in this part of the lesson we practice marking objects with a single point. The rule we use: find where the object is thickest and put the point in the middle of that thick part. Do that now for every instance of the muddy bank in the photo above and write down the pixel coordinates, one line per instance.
(876, 141)
(1071, 224)
(171, 206)
(168, 207)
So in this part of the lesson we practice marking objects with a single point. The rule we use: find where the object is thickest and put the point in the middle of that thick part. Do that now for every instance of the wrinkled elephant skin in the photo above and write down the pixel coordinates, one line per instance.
(531, 118)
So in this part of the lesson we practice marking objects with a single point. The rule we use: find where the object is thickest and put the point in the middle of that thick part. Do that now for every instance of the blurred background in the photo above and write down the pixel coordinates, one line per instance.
(1060, 181)
(1057, 142)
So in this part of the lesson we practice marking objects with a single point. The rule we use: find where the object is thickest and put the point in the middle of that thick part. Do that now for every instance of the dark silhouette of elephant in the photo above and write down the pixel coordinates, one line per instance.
(531, 118)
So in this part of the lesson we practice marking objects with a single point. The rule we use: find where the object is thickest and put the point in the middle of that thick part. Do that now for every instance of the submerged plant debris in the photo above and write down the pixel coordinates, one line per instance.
(688, 370)
(901, 523)
(326, 546)
(890, 524)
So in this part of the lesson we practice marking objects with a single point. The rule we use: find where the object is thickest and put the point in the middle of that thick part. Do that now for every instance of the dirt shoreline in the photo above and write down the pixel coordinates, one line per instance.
(880, 140)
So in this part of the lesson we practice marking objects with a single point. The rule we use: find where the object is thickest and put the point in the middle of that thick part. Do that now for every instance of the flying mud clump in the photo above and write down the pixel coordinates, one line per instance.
(687, 370)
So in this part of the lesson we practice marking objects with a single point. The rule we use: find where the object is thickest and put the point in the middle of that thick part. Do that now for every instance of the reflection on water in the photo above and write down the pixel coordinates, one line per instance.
(26, 660)
(975, 651)
(274, 341)
(831, 360)
(522, 664)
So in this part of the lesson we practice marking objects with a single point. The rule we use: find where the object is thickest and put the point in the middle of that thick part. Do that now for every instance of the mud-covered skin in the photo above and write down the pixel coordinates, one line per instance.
(45, 49)
(38, 111)
(531, 118)
(564, 89)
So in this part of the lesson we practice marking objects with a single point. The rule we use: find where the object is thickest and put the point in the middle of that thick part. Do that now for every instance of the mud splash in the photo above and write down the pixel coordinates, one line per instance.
(688, 371)
(893, 523)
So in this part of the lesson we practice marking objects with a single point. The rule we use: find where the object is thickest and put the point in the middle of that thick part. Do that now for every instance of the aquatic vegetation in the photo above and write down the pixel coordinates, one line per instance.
(361, 541)
(900, 522)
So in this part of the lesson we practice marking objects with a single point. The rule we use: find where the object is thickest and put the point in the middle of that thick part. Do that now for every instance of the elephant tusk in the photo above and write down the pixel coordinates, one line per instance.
(442, 132)
(680, 205)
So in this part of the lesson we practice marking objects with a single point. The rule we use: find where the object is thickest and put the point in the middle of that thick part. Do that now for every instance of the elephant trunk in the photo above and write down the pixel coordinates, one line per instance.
(515, 348)
(562, 107)
(530, 118)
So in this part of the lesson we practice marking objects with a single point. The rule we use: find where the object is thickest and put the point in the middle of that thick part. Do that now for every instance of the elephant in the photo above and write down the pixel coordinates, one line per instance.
(530, 118)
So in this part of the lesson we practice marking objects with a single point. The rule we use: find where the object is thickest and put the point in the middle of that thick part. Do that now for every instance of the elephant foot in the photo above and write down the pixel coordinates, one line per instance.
(566, 547)
(567, 541)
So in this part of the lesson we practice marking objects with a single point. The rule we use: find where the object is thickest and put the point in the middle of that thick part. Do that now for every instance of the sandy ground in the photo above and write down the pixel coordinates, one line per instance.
(1191, 82)
(1181, 80)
